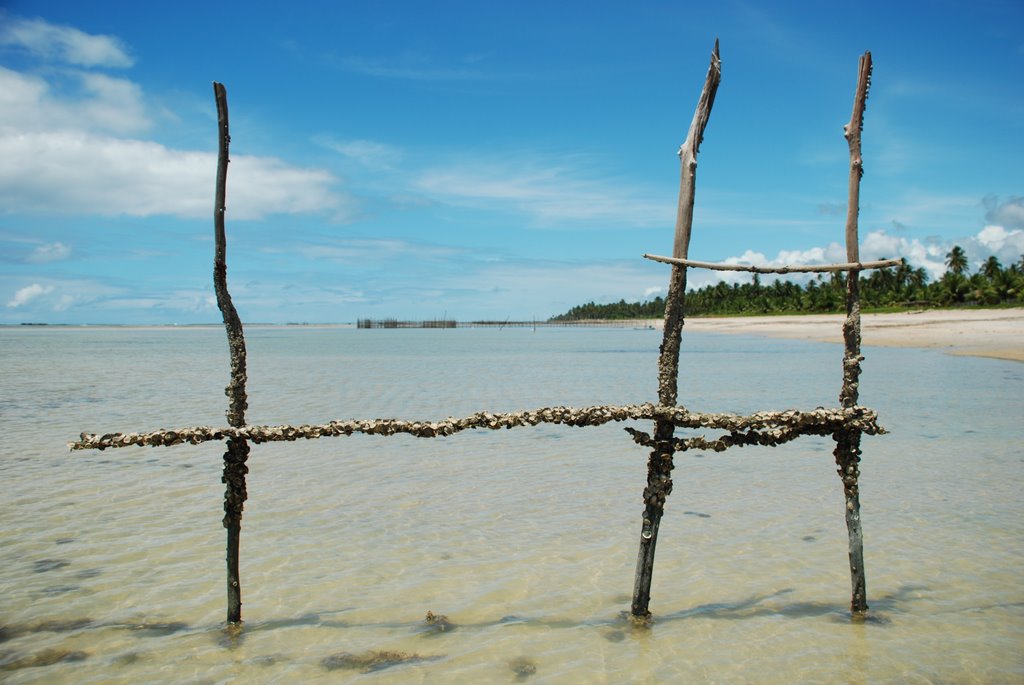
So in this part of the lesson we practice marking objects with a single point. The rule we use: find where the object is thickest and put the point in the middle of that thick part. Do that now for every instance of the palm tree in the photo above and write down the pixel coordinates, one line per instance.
(956, 260)
(991, 268)
(954, 288)
(902, 276)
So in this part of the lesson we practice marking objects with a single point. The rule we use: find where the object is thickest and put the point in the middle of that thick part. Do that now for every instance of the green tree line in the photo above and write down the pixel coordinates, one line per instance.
(896, 287)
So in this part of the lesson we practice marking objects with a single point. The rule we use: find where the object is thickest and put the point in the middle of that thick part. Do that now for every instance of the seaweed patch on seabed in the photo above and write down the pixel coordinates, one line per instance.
(47, 657)
(373, 660)
(523, 667)
(846, 424)
(46, 565)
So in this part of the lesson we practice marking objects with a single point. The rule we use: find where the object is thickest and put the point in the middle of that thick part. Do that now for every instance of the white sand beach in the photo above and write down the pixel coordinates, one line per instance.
(997, 333)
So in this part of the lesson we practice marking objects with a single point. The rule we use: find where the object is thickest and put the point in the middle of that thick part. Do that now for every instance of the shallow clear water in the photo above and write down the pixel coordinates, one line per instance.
(112, 563)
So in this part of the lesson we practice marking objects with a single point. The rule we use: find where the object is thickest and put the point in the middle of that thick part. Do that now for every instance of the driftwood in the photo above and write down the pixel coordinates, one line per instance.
(819, 422)
(847, 452)
(660, 464)
(237, 449)
(793, 268)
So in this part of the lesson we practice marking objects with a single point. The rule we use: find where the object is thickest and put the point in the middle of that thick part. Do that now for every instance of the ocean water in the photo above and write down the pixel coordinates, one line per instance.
(112, 563)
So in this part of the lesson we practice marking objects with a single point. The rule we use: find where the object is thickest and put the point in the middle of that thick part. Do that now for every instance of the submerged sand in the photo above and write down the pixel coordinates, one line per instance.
(997, 333)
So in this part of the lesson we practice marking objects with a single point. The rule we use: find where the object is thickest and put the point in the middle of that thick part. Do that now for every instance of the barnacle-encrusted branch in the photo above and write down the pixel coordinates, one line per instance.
(237, 449)
(790, 268)
(769, 437)
(816, 422)
(847, 451)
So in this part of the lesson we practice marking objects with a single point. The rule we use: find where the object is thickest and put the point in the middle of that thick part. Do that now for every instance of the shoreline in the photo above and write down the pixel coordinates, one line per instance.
(993, 333)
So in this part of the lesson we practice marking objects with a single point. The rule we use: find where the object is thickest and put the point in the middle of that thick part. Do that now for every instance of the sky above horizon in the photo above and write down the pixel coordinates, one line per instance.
(483, 160)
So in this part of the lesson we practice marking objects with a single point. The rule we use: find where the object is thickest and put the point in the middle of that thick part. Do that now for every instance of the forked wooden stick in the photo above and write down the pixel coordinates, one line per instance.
(659, 464)
(237, 452)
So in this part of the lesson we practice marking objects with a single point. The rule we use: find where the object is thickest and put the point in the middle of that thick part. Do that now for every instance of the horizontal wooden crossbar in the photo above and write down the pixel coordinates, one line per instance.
(762, 428)
(794, 268)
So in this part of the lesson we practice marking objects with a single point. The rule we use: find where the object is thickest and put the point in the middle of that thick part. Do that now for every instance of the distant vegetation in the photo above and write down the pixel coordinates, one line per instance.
(891, 288)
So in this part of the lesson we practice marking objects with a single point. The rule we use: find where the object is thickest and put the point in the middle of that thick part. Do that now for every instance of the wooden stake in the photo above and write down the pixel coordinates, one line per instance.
(792, 268)
(237, 452)
(847, 452)
(659, 465)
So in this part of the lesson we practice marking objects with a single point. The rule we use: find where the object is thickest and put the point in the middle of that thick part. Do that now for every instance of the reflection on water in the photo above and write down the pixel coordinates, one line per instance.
(519, 544)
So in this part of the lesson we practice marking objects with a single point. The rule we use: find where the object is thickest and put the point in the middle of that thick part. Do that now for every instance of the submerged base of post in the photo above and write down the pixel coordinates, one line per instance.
(847, 455)
(858, 596)
(234, 584)
(235, 494)
(645, 564)
(659, 486)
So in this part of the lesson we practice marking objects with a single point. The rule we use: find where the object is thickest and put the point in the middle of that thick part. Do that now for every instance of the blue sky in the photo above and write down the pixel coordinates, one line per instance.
(482, 159)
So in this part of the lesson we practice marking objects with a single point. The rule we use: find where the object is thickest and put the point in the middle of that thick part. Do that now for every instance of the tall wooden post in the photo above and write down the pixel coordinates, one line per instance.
(237, 452)
(847, 452)
(659, 465)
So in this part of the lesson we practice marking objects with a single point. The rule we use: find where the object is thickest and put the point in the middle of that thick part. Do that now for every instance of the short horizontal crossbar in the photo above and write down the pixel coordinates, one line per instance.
(795, 268)
(817, 422)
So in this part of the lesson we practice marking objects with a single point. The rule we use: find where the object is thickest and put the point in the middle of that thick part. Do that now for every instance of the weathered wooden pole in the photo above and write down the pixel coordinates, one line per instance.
(237, 448)
(847, 452)
(659, 465)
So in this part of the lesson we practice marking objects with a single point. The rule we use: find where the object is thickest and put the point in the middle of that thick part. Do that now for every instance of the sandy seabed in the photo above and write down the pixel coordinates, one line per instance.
(997, 333)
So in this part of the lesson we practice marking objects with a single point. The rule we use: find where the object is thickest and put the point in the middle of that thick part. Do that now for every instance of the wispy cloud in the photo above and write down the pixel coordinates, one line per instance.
(29, 293)
(62, 44)
(413, 67)
(367, 153)
(528, 288)
(367, 250)
(550, 191)
(97, 301)
(948, 213)
(1008, 214)
(50, 252)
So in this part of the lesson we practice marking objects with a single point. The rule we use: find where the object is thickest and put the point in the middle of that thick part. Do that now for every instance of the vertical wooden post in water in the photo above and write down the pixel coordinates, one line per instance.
(237, 449)
(659, 465)
(847, 452)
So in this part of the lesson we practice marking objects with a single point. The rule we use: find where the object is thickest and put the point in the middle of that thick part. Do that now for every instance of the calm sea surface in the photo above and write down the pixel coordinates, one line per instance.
(112, 563)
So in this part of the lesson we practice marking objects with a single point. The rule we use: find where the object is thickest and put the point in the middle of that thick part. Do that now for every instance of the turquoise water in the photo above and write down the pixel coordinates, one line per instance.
(112, 563)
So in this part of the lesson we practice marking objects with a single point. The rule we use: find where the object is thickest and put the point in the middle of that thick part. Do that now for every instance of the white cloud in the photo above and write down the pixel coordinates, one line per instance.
(115, 104)
(63, 43)
(995, 241)
(551, 192)
(78, 172)
(29, 293)
(104, 103)
(27, 103)
(50, 252)
(929, 253)
(68, 144)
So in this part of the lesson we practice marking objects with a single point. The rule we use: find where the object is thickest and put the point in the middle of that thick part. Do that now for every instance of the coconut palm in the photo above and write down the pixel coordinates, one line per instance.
(991, 268)
(956, 260)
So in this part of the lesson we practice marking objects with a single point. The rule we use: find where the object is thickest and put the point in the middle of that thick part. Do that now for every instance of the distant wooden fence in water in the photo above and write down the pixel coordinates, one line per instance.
(396, 323)
(846, 424)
